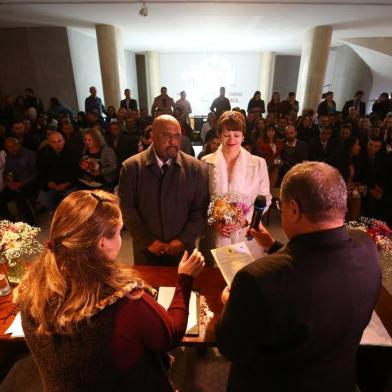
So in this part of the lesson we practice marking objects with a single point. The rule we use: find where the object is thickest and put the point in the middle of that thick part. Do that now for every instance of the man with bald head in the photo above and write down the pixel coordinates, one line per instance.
(58, 171)
(293, 320)
(163, 195)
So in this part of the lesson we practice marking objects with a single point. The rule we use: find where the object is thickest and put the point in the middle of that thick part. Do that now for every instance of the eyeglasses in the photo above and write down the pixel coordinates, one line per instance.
(171, 136)
(99, 199)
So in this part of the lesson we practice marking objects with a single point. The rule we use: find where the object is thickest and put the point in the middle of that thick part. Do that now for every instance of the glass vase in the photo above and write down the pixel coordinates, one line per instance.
(5, 288)
(17, 272)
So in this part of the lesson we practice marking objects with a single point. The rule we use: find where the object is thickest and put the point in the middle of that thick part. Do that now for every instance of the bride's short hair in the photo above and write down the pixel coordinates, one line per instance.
(231, 121)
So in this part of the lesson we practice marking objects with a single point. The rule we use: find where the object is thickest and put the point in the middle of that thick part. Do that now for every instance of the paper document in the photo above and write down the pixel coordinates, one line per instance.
(15, 329)
(165, 296)
(91, 184)
(375, 333)
(231, 259)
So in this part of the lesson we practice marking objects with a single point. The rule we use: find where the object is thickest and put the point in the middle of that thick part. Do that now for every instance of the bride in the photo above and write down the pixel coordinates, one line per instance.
(234, 172)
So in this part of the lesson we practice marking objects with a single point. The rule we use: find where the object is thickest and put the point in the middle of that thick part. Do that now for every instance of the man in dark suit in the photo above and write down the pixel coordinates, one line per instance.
(357, 103)
(294, 319)
(323, 146)
(123, 145)
(163, 195)
(128, 103)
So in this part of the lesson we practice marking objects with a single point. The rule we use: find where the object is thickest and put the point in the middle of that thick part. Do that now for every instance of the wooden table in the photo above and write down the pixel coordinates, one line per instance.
(210, 284)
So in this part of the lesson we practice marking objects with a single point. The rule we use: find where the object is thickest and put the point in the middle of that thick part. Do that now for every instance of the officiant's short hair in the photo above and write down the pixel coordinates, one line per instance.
(231, 121)
(319, 190)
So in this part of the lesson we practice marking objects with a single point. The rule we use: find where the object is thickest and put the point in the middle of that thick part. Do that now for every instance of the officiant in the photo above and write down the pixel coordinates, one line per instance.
(164, 196)
(293, 320)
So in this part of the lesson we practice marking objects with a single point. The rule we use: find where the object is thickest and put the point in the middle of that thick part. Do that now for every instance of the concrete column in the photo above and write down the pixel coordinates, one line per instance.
(314, 59)
(266, 76)
(111, 58)
(351, 74)
(153, 76)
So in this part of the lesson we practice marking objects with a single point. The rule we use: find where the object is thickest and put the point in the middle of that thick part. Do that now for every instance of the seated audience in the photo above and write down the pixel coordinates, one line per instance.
(281, 128)
(294, 151)
(81, 121)
(32, 101)
(323, 146)
(19, 180)
(345, 132)
(58, 171)
(210, 147)
(55, 108)
(306, 129)
(382, 106)
(73, 138)
(146, 138)
(270, 147)
(374, 171)
(293, 320)
(207, 126)
(259, 129)
(274, 105)
(19, 109)
(122, 144)
(89, 322)
(111, 115)
(99, 162)
(344, 160)
(289, 105)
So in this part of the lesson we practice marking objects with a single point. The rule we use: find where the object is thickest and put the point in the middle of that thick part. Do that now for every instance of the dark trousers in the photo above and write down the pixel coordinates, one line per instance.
(21, 199)
(147, 258)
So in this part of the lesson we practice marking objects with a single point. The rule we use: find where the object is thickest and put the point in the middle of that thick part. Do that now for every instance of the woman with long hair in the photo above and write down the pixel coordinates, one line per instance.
(269, 147)
(260, 127)
(236, 174)
(99, 162)
(90, 323)
(256, 104)
(211, 146)
(274, 105)
(344, 160)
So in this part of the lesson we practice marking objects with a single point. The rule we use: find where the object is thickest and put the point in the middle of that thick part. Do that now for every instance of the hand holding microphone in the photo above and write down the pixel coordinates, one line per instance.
(259, 206)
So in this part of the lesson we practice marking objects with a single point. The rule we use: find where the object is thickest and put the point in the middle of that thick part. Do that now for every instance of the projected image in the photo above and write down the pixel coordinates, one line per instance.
(201, 76)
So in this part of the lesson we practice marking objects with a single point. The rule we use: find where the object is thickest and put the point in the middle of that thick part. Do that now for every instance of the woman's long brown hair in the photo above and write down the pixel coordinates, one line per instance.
(66, 283)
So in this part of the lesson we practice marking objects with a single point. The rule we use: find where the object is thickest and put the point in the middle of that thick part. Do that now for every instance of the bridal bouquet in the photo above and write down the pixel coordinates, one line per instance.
(226, 209)
(16, 240)
(381, 234)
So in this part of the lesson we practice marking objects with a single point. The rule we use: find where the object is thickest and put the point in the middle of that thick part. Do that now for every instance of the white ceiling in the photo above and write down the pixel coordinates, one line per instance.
(201, 26)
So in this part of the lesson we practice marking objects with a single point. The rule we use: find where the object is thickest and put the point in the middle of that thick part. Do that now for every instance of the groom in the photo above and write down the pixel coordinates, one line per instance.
(164, 196)
(293, 320)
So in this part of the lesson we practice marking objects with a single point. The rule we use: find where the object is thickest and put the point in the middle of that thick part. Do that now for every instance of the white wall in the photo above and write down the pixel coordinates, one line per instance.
(85, 64)
(201, 76)
(131, 76)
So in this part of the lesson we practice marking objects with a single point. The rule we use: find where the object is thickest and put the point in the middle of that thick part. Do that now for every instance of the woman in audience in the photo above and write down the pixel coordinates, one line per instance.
(207, 126)
(344, 160)
(235, 173)
(260, 126)
(90, 323)
(110, 114)
(256, 104)
(99, 162)
(306, 129)
(328, 105)
(274, 104)
(269, 148)
(211, 146)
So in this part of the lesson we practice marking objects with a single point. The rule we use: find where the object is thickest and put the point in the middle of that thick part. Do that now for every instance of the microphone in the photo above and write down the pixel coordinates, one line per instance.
(259, 207)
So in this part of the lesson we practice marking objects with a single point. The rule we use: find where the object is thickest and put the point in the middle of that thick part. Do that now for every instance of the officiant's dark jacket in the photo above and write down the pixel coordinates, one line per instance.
(163, 207)
(295, 318)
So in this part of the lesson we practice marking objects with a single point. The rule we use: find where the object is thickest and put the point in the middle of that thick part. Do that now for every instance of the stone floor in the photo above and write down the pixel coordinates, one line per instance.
(193, 371)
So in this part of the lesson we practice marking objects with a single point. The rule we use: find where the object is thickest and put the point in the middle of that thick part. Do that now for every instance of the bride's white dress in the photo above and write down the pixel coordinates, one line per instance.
(249, 178)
